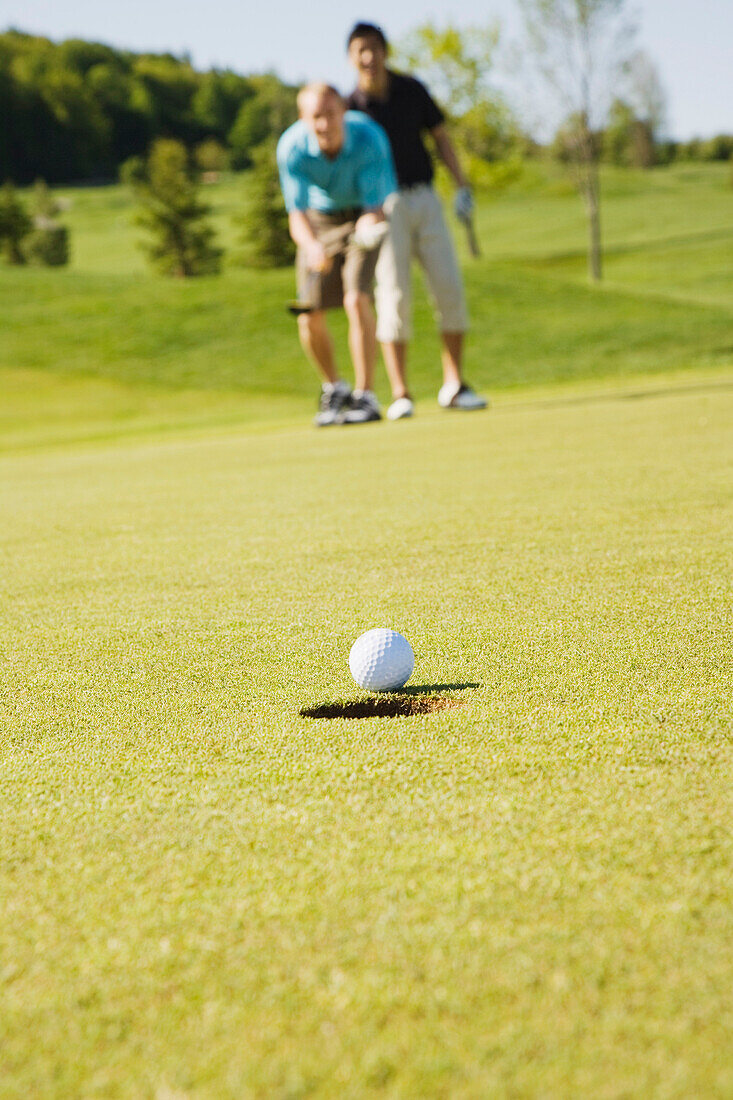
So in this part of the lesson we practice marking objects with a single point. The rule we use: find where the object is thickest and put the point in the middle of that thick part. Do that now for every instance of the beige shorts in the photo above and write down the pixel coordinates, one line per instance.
(352, 267)
(417, 230)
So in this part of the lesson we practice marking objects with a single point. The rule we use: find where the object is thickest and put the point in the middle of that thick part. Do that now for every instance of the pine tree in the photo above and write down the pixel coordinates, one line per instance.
(182, 240)
(264, 232)
(15, 225)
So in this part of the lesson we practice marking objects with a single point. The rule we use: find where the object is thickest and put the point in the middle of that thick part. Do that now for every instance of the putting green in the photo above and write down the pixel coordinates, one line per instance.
(207, 895)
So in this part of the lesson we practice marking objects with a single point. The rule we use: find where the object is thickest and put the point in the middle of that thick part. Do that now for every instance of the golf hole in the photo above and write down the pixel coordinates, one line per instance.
(383, 706)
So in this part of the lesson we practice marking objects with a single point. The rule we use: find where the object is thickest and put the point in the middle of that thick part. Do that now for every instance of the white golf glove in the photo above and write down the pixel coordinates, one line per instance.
(463, 204)
(371, 235)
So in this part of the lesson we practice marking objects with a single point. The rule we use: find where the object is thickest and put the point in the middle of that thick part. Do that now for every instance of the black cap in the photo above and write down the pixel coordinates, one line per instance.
(361, 30)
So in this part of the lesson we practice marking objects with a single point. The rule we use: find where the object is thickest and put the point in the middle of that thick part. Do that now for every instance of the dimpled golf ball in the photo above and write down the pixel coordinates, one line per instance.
(381, 660)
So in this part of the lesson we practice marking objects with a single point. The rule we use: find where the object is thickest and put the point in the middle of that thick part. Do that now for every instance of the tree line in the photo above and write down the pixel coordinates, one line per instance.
(75, 111)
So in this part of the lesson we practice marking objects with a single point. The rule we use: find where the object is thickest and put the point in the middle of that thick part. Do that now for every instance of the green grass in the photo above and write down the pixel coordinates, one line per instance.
(665, 307)
(529, 894)
(206, 895)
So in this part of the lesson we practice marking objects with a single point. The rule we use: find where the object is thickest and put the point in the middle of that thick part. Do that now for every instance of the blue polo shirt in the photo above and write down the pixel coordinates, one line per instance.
(361, 175)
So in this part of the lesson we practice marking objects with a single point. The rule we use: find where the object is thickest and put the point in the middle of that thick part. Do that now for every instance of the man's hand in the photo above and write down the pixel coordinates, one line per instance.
(463, 204)
(315, 256)
(370, 230)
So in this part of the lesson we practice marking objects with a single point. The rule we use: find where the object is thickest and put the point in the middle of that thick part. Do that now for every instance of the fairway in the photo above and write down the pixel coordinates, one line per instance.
(206, 895)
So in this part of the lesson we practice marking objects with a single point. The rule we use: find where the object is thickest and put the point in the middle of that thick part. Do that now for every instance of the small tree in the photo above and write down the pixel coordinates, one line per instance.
(44, 204)
(581, 50)
(48, 241)
(212, 158)
(15, 225)
(166, 185)
(264, 232)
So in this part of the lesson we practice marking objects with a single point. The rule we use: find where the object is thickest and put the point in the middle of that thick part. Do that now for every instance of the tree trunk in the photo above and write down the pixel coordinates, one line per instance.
(592, 196)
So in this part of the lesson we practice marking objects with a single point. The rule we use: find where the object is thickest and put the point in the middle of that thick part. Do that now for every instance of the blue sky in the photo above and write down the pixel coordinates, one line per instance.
(690, 41)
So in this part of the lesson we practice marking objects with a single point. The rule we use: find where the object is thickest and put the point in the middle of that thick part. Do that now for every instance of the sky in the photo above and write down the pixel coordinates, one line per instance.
(689, 41)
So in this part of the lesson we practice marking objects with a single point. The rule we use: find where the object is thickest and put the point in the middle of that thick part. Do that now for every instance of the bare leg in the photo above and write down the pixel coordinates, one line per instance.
(362, 338)
(395, 360)
(452, 356)
(315, 339)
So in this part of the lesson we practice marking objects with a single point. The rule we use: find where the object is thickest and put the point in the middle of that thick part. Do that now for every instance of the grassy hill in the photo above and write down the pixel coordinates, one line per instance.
(665, 306)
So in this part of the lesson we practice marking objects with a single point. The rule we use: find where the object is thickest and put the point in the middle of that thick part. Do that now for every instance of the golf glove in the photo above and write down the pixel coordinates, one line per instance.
(371, 236)
(463, 204)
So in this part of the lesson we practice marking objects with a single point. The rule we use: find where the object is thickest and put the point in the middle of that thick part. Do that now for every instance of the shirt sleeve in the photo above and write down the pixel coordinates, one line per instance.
(376, 178)
(432, 115)
(293, 183)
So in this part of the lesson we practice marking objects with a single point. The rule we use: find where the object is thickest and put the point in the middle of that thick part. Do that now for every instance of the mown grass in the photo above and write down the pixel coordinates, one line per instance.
(206, 895)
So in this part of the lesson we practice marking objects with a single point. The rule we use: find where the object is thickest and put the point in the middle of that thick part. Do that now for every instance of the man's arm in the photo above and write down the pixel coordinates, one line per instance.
(305, 238)
(447, 154)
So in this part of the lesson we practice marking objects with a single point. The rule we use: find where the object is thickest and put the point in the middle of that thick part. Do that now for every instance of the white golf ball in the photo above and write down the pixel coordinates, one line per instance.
(381, 660)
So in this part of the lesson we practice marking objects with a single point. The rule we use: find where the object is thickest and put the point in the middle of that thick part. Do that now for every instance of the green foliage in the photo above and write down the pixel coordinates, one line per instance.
(457, 66)
(182, 240)
(48, 244)
(15, 225)
(44, 204)
(78, 110)
(211, 156)
(627, 141)
(270, 110)
(264, 235)
(456, 63)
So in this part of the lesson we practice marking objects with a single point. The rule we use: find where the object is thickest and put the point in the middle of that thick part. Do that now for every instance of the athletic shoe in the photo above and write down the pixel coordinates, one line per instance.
(362, 407)
(334, 396)
(400, 408)
(454, 395)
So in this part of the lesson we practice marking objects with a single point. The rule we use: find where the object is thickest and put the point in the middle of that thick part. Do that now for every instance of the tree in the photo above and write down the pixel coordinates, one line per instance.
(627, 139)
(265, 115)
(48, 241)
(212, 158)
(457, 65)
(15, 225)
(167, 187)
(645, 93)
(264, 225)
(580, 48)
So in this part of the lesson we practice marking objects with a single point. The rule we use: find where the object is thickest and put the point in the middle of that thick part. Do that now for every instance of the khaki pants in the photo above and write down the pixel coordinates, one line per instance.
(417, 229)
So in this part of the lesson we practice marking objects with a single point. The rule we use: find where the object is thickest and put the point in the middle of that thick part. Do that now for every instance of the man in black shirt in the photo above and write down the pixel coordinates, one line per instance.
(404, 107)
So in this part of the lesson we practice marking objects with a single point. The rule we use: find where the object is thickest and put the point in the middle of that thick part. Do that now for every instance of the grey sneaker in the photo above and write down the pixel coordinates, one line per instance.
(454, 396)
(362, 407)
(331, 405)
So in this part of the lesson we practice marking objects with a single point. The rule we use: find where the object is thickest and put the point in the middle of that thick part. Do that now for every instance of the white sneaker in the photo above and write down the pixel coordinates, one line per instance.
(457, 395)
(400, 408)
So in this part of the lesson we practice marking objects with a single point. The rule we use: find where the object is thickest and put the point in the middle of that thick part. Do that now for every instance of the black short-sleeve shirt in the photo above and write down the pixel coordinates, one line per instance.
(405, 114)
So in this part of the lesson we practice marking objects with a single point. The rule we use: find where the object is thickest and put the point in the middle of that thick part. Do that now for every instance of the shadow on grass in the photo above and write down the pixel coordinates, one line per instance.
(432, 689)
(621, 395)
(409, 701)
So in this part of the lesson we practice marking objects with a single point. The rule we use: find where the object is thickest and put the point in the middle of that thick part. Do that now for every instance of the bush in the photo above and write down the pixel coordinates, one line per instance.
(182, 241)
(48, 244)
(15, 225)
(264, 237)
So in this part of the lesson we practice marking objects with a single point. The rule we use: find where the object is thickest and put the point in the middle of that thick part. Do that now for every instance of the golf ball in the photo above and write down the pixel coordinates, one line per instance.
(381, 660)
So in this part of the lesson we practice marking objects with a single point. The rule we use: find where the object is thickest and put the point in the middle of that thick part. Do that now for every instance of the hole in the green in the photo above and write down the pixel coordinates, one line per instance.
(383, 706)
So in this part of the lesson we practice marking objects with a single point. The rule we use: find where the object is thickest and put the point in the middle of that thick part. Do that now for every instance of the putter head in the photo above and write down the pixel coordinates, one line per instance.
(296, 308)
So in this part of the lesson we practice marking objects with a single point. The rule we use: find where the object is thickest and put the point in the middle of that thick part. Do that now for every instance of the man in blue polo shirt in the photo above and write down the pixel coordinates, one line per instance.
(336, 172)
